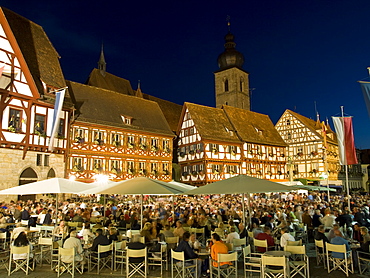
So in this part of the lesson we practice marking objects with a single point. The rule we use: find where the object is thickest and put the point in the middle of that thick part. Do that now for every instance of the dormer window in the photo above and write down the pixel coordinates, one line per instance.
(126, 119)
(259, 131)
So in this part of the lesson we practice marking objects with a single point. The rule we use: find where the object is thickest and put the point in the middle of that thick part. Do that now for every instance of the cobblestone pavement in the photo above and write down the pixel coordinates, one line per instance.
(45, 272)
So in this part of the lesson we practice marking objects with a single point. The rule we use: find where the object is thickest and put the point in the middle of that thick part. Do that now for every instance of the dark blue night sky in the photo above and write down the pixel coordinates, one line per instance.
(297, 52)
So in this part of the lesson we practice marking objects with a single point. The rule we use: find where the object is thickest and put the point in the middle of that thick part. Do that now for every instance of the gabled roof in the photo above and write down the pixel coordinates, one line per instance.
(253, 127)
(110, 82)
(40, 55)
(211, 123)
(100, 106)
(171, 111)
(314, 126)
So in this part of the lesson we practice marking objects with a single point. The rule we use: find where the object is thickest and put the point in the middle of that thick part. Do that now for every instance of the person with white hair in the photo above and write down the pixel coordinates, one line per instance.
(73, 242)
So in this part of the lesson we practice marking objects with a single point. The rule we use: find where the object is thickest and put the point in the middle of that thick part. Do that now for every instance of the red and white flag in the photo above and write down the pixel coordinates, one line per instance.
(346, 142)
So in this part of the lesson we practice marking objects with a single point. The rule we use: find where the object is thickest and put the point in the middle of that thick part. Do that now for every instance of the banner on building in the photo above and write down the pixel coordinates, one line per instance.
(346, 143)
(365, 87)
(59, 99)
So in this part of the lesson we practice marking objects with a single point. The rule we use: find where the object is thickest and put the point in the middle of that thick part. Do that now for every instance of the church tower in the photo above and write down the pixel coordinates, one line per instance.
(231, 81)
(102, 65)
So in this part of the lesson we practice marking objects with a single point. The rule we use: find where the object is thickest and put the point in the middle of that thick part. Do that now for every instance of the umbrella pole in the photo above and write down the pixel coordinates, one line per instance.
(104, 204)
(249, 210)
(243, 207)
(141, 211)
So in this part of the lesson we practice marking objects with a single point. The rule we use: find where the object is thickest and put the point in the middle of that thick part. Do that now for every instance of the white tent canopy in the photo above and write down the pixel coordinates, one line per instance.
(138, 186)
(54, 185)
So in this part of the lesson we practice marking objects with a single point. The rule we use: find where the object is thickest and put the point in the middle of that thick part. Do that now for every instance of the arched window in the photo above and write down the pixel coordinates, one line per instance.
(27, 176)
(51, 173)
(226, 84)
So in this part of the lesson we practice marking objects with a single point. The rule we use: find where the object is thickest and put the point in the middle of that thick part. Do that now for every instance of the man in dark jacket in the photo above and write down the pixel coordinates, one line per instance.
(135, 244)
(188, 252)
(25, 214)
(345, 219)
(47, 219)
(100, 240)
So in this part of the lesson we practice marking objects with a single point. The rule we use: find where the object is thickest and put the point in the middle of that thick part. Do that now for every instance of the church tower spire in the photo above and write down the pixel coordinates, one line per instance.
(231, 81)
(102, 65)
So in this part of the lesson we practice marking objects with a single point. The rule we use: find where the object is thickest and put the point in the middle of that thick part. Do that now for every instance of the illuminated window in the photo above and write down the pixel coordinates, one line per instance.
(14, 120)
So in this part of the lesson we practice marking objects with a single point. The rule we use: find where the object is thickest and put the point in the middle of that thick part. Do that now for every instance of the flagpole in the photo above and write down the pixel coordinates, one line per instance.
(346, 166)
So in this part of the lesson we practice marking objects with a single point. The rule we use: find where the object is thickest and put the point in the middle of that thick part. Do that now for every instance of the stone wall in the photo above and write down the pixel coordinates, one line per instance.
(12, 165)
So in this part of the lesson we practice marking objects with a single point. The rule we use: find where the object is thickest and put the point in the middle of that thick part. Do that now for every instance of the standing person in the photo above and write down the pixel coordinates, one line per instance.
(188, 252)
(328, 220)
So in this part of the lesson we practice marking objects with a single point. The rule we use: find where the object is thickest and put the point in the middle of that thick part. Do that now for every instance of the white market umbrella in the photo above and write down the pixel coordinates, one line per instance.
(48, 186)
(241, 184)
(139, 186)
(54, 185)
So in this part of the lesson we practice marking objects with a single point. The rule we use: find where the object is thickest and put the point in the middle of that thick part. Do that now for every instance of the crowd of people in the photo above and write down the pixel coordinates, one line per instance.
(274, 217)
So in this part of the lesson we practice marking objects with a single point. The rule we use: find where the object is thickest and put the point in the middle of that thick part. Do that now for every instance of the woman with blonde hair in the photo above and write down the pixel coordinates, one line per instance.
(146, 232)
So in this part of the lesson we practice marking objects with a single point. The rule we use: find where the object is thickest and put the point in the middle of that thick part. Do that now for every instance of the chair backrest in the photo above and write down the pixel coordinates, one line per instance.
(172, 239)
(239, 242)
(120, 245)
(230, 246)
(24, 222)
(35, 229)
(336, 248)
(197, 230)
(3, 235)
(105, 248)
(66, 251)
(20, 250)
(45, 241)
(136, 253)
(142, 239)
(260, 243)
(247, 250)
(251, 234)
(231, 257)
(275, 261)
(319, 243)
(295, 250)
(294, 243)
(178, 255)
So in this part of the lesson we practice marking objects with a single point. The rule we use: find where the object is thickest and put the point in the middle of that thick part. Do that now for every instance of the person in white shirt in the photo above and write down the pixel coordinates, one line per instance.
(193, 242)
(73, 242)
(285, 237)
(328, 220)
(233, 234)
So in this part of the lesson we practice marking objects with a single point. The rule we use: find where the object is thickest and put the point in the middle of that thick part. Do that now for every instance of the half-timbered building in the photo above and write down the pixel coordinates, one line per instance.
(218, 143)
(30, 74)
(117, 135)
(313, 148)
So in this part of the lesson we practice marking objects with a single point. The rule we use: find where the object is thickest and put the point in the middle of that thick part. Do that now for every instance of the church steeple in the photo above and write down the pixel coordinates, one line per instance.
(231, 81)
(102, 65)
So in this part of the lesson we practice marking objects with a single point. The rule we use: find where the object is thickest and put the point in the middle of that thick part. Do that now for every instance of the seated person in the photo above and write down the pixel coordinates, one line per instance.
(331, 234)
(73, 242)
(188, 252)
(61, 231)
(266, 235)
(233, 234)
(113, 234)
(19, 227)
(320, 235)
(193, 242)
(21, 241)
(146, 232)
(218, 247)
(365, 242)
(220, 230)
(135, 244)
(100, 240)
(179, 230)
(166, 233)
(285, 237)
(339, 240)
